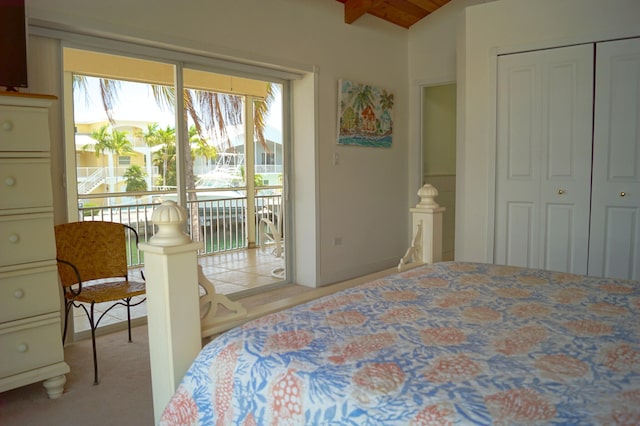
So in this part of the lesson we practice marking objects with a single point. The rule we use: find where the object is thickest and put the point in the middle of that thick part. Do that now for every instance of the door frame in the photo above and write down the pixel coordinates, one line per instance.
(421, 85)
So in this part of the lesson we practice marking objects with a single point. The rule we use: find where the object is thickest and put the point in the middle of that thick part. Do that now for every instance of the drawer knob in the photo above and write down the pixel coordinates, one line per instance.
(7, 125)
(10, 181)
(23, 347)
(18, 293)
(14, 238)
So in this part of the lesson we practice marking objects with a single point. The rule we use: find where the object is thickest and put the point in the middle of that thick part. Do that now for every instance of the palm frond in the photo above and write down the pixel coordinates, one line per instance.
(260, 111)
(165, 97)
(81, 85)
(109, 91)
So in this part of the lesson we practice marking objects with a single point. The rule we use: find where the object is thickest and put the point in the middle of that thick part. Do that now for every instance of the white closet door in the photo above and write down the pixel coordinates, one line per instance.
(543, 161)
(614, 248)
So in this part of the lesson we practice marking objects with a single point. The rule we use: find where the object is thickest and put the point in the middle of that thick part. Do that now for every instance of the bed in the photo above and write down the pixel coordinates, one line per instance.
(447, 343)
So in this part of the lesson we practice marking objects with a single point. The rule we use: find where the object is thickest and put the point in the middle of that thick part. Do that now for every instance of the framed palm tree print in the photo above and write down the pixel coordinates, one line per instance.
(364, 115)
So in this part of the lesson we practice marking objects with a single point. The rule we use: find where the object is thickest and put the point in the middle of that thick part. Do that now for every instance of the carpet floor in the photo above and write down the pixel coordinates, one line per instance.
(123, 396)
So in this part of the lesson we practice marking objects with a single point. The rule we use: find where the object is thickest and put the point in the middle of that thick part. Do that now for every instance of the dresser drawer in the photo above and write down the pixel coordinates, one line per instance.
(25, 183)
(26, 238)
(24, 129)
(29, 293)
(26, 345)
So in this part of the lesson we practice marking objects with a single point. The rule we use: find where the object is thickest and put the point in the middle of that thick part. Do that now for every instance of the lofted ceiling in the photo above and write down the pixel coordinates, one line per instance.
(400, 12)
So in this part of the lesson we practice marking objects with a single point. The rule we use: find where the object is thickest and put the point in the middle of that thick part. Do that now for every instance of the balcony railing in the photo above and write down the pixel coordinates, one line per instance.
(89, 178)
(268, 168)
(221, 223)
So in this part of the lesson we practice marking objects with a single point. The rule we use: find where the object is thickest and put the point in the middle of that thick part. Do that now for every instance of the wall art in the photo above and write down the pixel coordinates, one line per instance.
(364, 115)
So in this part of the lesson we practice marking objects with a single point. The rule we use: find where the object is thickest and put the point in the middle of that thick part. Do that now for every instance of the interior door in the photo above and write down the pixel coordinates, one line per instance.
(439, 155)
(615, 223)
(544, 158)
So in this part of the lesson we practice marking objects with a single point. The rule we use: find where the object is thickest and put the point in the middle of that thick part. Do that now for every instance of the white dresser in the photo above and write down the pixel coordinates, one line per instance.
(30, 314)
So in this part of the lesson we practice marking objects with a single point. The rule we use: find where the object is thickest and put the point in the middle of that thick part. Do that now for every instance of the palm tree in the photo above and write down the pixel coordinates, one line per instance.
(109, 91)
(135, 177)
(260, 112)
(166, 138)
(165, 160)
(211, 112)
(386, 100)
(120, 145)
(363, 98)
(102, 136)
(199, 145)
(110, 141)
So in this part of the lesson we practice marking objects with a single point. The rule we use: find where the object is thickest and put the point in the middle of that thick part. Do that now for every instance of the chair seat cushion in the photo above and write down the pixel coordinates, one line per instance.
(108, 291)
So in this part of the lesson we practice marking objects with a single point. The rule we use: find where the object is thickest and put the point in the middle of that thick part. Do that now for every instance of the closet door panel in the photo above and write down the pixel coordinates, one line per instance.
(544, 156)
(517, 190)
(615, 233)
(620, 254)
(559, 218)
(520, 250)
(521, 135)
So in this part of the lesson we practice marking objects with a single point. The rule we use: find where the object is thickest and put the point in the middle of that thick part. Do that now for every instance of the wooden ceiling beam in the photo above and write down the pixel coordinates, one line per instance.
(427, 5)
(404, 13)
(354, 9)
(400, 12)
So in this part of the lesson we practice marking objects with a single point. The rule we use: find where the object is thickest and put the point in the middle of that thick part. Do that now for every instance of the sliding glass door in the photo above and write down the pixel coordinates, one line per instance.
(145, 131)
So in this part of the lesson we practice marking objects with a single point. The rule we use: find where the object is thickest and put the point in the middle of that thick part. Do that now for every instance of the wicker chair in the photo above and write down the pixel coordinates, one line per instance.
(92, 264)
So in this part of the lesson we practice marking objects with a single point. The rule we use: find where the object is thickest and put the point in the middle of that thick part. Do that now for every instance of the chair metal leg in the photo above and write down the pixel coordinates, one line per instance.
(93, 341)
(67, 307)
(129, 317)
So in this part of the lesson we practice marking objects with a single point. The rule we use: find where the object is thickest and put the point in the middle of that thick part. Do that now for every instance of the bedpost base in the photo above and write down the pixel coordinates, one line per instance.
(427, 230)
(209, 303)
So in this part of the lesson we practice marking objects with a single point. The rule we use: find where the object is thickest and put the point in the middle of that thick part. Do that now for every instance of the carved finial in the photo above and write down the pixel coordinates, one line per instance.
(427, 195)
(170, 219)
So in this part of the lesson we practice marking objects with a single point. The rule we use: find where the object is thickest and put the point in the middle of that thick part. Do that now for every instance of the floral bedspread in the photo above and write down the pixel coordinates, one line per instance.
(449, 343)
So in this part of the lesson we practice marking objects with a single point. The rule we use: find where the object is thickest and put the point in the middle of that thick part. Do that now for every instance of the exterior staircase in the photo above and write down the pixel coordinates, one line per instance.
(91, 182)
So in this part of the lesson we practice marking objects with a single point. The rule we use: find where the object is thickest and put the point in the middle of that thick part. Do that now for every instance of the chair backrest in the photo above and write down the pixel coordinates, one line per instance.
(97, 249)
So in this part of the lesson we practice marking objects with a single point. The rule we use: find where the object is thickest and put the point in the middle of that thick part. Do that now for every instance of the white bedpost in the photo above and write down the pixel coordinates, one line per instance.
(173, 310)
(427, 229)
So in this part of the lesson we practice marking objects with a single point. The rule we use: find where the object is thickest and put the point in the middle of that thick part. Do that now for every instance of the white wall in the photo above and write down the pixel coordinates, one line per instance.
(500, 27)
(363, 200)
(432, 61)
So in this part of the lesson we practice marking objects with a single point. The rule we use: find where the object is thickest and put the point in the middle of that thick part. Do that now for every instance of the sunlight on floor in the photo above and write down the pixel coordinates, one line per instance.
(231, 272)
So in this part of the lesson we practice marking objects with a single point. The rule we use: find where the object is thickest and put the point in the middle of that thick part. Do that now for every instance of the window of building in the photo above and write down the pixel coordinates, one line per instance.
(268, 158)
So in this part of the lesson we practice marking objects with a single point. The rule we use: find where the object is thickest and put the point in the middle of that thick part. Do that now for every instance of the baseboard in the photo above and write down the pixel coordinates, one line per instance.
(109, 328)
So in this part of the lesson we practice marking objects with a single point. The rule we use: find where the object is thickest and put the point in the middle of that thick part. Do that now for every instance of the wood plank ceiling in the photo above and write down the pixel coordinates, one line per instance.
(400, 12)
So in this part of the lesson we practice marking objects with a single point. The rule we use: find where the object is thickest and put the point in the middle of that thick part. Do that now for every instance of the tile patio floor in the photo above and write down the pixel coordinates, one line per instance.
(232, 272)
